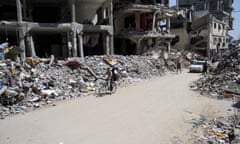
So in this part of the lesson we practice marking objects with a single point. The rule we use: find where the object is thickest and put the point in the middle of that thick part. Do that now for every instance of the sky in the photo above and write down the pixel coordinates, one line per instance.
(236, 24)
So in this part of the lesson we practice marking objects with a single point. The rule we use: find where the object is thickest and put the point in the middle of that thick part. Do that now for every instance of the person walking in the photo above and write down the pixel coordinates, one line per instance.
(178, 65)
(109, 79)
(205, 69)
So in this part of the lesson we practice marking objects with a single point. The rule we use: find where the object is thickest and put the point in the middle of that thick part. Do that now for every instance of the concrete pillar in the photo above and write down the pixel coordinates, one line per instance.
(111, 23)
(74, 44)
(31, 47)
(169, 47)
(19, 11)
(73, 10)
(168, 24)
(107, 44)
(22, 32)
(80, 45)
(111, 12)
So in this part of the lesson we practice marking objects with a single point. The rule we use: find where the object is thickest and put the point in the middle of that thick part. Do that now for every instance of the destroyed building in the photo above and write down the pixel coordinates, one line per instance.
(69, 28)
(63, 28)
(142, 25)
(207, 23)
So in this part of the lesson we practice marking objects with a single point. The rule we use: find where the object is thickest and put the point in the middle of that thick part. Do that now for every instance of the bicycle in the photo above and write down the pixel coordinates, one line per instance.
(105, 87)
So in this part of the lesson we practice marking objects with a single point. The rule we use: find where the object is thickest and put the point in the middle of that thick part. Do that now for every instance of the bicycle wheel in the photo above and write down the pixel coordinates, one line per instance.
(114, 88)
(103, 89)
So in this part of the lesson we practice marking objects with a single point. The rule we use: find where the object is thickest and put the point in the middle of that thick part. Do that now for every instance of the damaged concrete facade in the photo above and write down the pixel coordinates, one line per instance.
(142, 25)
(207, 24)
(64, 28)
(70, 28)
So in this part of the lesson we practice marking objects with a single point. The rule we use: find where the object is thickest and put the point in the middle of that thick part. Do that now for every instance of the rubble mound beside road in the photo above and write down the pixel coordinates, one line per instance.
(224, 81)
(34, 82)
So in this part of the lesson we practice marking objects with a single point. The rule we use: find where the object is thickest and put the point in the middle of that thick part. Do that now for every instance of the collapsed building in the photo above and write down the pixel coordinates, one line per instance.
(142, 25)
(70, 28)
(205, 24)
(63, 28)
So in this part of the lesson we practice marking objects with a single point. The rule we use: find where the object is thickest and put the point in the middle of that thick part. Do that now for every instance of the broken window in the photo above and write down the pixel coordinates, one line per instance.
(215, 25)
(219, 27)
(129, 23)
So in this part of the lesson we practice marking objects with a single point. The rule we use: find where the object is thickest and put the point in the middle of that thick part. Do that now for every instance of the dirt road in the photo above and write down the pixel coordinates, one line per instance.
(150, 112)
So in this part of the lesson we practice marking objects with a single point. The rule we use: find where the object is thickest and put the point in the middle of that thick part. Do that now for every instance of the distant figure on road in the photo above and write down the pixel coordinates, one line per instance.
(109, 79)
(178, 65)
(205, 67)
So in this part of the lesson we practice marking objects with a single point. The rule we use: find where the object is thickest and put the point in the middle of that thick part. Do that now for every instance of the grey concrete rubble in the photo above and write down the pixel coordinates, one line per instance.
(35, 82)
(221, 83)
(207, 130)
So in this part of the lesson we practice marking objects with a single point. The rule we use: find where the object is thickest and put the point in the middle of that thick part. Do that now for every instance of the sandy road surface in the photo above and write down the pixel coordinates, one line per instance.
(150, 112)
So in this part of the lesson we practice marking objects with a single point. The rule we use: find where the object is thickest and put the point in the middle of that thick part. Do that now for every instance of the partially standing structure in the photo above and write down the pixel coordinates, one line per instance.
(64, 28)
(142, 25)
(209, 22)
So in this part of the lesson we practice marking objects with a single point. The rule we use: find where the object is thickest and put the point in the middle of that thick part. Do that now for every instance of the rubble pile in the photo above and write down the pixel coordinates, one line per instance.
(221, 83)
(224, 81)
(33, 82)
(217, 130)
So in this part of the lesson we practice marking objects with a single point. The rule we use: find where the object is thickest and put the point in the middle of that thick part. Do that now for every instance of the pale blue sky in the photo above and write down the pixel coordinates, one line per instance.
(236, 24)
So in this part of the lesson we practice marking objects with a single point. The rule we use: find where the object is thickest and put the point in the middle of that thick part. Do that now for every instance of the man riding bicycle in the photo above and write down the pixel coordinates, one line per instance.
(111, 77)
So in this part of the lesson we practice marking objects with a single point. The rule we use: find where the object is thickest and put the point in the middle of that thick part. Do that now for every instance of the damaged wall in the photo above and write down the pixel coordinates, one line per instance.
(72, 20)
(138, 23)
(209, 23)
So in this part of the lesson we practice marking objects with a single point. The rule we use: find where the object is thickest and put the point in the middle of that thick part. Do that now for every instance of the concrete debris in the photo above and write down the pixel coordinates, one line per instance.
(217, 130)
(34, 82)
(222, 82)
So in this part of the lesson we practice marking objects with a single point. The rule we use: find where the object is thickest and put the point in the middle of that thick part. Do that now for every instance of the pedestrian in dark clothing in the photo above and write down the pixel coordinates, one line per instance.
(178, 64)
(205, 67)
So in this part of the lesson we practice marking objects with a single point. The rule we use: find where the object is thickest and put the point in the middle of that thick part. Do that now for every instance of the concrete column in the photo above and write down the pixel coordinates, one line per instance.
(168, 25)
(169, 47)
(22, 32)
(74, 44)
(80, 45)
(107, 44)
(31, 47)
(73, 10)
(22, 46)
(111, 23)
(19, 11)
(111, 12)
